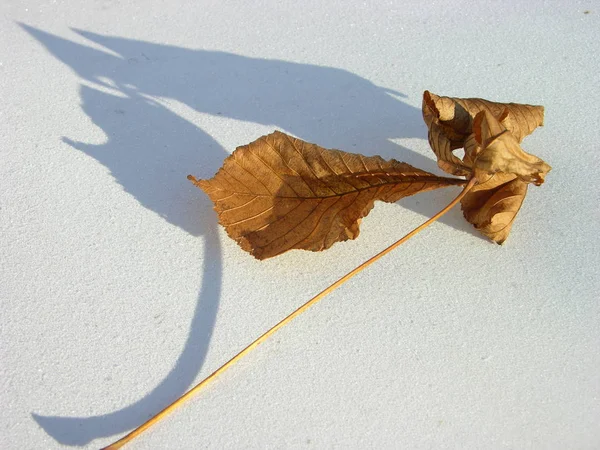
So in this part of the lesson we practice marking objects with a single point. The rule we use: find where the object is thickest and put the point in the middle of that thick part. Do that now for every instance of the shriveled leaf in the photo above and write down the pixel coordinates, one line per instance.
(448, 125)
(457, 114)
(450, 122)
(490, 134)
(492, 205)
(280, 193)
(501, 152)
(443, 147)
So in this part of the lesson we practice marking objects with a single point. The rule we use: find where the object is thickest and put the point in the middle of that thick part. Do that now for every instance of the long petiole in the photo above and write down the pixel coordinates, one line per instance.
(177, 403)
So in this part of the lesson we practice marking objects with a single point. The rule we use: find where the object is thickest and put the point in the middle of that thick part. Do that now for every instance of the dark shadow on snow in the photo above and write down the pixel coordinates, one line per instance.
(150, 150)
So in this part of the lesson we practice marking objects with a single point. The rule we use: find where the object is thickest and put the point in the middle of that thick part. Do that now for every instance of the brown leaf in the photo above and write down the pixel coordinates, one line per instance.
(280, 193)
(450, 122)
(490, 134)
(492, 205)
(500, 151)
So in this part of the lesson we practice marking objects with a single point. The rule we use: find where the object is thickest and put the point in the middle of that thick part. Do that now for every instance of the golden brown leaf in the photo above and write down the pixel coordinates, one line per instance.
(500, 151)
(490, 134)
(280, 193)
(492, 205)
(450, 122)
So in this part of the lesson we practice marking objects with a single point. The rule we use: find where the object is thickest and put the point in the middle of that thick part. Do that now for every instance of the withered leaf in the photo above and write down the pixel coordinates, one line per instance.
(280, 193)
(500, 151)
(450, 122)
(490, 134)
(492, 205)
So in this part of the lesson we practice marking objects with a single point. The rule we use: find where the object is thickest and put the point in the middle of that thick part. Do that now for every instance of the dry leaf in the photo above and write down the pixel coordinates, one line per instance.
(499, 151)
(280, 193)
(450, 122)
(490, 134)
(492, 205)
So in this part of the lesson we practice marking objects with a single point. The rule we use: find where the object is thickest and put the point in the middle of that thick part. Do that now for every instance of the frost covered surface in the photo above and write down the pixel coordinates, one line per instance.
(119, 291)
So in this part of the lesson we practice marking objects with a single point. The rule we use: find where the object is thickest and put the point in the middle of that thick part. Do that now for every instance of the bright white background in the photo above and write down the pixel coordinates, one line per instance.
(119, 290)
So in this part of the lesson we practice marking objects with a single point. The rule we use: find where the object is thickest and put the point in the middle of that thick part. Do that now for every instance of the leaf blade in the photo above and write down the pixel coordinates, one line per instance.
(280, 193)
(450, 122)
(490, 134)
(493, 204)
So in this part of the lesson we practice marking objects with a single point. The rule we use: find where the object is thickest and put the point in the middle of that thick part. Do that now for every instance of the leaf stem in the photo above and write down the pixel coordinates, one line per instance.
(177, 403)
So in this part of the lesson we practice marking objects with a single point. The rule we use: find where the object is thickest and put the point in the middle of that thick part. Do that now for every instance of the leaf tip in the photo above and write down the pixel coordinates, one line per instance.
(429, 102)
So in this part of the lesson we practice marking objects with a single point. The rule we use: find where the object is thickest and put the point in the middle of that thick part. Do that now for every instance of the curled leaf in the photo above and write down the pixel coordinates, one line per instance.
(280, 193)
(492, 205)
(450, 122)
(490, 133)
(500, 151)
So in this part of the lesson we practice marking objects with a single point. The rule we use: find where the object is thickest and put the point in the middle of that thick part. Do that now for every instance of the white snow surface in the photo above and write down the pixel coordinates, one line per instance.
(119, 290)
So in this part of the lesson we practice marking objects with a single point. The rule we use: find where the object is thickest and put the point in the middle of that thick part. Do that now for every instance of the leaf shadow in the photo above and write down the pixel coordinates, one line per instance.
(150, 149)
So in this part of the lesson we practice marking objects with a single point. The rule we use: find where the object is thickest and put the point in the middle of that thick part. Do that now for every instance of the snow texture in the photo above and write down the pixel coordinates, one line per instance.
(119, 291)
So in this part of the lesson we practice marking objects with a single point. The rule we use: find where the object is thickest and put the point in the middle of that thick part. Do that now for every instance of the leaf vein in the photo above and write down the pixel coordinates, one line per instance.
(288, 166)
(250, 218)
